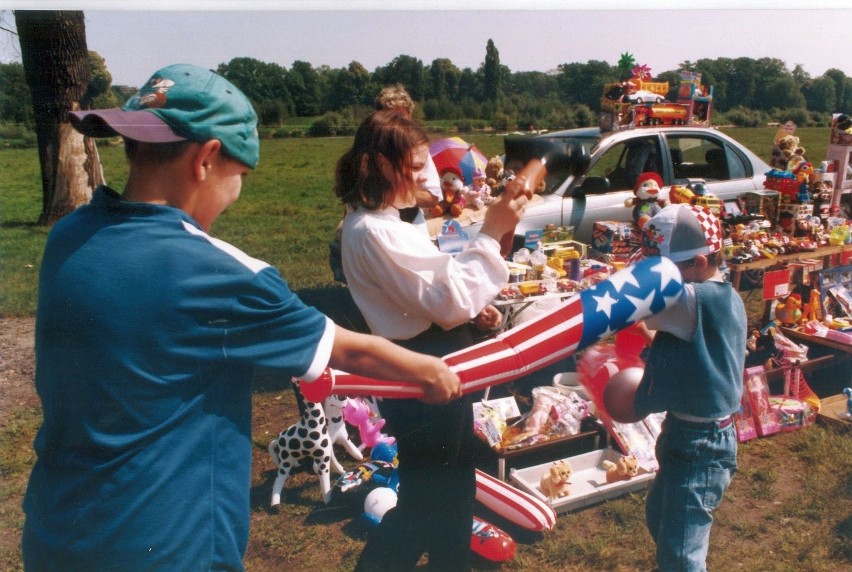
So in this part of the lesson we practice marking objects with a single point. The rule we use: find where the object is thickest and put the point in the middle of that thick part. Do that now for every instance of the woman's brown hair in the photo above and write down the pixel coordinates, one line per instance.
(358, 177)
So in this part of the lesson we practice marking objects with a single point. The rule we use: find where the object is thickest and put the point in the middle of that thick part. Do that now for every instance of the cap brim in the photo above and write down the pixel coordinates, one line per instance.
(141, 125)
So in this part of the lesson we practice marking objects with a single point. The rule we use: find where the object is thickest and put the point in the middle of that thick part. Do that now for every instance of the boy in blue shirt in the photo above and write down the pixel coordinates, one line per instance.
(148, 331)
(694, 372)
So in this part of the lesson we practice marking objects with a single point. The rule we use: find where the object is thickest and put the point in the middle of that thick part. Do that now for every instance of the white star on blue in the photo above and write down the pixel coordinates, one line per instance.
(629, 295)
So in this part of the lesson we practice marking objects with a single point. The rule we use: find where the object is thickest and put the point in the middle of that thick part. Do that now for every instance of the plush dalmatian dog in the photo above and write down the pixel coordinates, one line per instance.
(306, 440)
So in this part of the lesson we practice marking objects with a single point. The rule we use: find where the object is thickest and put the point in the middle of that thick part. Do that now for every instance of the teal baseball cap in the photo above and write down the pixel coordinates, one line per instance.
(181, 102)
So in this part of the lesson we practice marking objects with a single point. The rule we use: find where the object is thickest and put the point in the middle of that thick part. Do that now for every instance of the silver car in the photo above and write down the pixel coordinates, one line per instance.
(594, 174)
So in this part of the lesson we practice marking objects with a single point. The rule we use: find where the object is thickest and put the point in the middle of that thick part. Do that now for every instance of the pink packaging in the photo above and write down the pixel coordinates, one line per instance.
(766, 418)
(744, 420)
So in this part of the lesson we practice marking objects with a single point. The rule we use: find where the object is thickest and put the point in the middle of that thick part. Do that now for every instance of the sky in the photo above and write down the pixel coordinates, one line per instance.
(136, 38)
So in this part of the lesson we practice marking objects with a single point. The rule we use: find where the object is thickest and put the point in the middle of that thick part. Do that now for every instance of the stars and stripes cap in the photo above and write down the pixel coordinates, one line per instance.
(181, 102)
(681, 232)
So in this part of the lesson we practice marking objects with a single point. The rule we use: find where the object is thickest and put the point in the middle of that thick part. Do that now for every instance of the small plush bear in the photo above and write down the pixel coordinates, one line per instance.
(479, 193)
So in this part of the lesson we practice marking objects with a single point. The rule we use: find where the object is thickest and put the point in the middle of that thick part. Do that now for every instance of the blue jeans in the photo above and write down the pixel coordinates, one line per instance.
(697, 461)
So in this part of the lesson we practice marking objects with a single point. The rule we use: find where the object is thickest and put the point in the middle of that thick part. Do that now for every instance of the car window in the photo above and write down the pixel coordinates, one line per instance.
(625, 161)
(696, 157)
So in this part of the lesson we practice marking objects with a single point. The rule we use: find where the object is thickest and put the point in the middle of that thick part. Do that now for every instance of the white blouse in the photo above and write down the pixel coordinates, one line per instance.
(402, 283)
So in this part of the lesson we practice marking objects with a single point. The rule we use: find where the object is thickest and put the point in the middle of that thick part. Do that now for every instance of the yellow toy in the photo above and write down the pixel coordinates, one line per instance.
(626, 468)
(789, 310)
(555, 482)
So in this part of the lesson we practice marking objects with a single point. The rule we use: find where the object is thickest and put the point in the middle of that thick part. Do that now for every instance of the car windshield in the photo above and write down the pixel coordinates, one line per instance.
(573, 145)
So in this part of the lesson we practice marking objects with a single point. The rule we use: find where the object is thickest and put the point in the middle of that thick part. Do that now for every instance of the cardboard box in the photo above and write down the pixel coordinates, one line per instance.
(614, 237)
(588, 481)
(834, 411)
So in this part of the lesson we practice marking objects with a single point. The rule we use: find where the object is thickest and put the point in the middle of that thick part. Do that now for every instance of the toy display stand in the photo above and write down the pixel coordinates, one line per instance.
(591, 436)
(588, 481)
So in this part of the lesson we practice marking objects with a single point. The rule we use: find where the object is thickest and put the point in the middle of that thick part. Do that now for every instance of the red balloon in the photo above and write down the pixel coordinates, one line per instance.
(620, 395)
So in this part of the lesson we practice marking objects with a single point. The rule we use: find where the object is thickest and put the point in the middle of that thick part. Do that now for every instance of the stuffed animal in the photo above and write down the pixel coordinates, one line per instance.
(646, 201)
(453, 189)
(789, 310)
(626, 468)
(555, 482)
(791, 153)
(493, 171)
(479, 193)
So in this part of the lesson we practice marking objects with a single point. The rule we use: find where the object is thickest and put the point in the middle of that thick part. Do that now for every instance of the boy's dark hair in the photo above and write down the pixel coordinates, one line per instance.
(139, 152)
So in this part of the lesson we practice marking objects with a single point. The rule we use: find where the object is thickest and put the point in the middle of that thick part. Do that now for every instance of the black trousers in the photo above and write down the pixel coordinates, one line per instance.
(437, 482)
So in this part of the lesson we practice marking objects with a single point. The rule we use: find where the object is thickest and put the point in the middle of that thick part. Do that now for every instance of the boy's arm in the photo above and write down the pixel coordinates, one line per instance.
(376, 357)
(679, 319)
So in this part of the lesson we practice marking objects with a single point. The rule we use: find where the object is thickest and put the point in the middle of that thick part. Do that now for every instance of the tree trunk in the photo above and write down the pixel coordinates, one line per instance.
(56, 66)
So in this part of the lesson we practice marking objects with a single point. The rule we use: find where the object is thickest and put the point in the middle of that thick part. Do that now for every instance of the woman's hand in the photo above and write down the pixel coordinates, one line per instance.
(506, 211)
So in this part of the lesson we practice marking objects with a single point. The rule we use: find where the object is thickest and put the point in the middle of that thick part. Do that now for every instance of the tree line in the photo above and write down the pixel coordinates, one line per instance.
(746, 92)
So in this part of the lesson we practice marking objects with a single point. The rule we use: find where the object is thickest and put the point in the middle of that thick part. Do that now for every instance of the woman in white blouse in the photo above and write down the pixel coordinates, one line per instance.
(414, 294)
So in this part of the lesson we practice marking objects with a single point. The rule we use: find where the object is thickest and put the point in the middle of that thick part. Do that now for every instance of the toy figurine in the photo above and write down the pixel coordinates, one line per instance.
(479, 193)
(555, 482)
(646, 202)
(452, 187)
(357, 413)
(789, 310)
(626, 468)
(847, 391)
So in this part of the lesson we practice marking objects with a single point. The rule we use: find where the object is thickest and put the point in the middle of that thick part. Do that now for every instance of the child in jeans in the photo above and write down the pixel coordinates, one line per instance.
(694, 372)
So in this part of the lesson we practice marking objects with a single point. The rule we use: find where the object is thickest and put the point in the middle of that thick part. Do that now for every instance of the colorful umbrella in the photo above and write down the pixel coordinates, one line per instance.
(456, 152)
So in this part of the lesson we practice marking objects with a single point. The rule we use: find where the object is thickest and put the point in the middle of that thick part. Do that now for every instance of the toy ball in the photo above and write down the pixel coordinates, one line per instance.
(620, 394)
(378, 502)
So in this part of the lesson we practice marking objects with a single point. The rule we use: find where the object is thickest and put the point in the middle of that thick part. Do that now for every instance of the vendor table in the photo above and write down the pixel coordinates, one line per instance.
(808, 339)
(824, 252)
(592, 436)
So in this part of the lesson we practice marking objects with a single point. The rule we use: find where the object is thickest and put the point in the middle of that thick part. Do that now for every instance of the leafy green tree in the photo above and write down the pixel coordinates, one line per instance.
(99, 95)
(840, 81)
(583, 83)
(407, 70)
(782, 93)
(821, 95)
(492, 76)
(262, 82)
(444, 79)
(350, 86)
(16, 105)
(303, 83)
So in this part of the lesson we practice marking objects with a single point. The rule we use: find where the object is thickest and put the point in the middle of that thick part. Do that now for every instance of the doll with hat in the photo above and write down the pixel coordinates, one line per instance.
(646, 201)
(453, 190)
(478, 194)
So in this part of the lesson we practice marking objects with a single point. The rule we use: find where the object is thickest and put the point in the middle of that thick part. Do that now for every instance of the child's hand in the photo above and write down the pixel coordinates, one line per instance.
(489, 318)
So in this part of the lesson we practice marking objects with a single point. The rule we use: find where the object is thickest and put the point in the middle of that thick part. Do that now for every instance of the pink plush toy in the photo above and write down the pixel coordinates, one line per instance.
(356, 412)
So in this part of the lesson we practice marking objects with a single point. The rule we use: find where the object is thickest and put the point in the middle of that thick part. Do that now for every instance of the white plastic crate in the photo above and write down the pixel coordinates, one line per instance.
(588, 480)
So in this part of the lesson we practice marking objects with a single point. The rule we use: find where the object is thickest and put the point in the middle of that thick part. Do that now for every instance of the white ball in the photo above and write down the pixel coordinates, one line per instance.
(379, 501)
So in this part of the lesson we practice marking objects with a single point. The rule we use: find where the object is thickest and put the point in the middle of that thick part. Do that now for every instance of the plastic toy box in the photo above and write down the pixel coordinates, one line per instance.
(588, 481)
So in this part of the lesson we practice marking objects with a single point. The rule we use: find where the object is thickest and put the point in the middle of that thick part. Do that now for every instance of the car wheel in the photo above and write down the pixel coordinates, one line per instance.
(640, 101)
(659, 100)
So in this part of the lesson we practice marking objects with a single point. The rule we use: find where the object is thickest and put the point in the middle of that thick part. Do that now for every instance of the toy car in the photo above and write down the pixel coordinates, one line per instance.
(643, 96)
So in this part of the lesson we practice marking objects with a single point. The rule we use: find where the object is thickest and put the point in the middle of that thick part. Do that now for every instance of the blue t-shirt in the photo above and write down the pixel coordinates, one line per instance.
(147, 335)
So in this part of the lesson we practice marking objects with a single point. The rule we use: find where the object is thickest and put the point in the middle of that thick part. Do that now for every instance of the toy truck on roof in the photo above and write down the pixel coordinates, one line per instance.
(661, 114)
